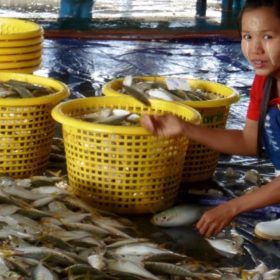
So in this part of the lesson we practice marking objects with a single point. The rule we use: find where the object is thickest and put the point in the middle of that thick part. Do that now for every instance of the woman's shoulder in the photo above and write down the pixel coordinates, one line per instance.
(258, 85)
(259, 80)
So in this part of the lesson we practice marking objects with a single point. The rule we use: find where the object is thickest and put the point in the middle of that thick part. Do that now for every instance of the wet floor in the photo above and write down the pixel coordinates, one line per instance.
(85, 65)
(126, 13)
(108, 9)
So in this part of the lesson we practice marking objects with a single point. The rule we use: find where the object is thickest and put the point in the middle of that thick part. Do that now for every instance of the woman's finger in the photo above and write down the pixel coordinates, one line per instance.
(202, 226)
(147, 122)
(212, 228)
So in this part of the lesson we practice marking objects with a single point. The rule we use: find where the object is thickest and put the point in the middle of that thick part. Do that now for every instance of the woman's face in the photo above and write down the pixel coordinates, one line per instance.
(261, 40)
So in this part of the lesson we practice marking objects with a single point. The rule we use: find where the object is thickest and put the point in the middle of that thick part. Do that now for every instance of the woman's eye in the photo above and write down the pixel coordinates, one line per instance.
(267, 37)
(246, 37)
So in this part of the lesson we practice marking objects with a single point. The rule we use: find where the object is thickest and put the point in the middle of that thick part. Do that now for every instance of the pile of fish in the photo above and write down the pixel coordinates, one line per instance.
(47, 233)
(250, 179)
(251, 176)
(18, 89)
(173, 89)
(228, 243)
(112, 117)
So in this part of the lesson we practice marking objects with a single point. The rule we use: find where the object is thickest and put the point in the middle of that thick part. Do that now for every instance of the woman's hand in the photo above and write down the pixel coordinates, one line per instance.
(215, 219)
(167, 125)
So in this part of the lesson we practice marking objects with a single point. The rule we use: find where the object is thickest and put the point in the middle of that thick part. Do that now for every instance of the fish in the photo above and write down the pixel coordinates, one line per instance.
(163, 94)
(84, 269)
(146, 249)
(174, 83)
(225, 247)
(137, 94)
(128, 81)
(112, 117)
(40, 272)
(167, 256)
(97, 261)
(172, 89)
(66, 238)
(262, 272)
(40, 253)
(8, 209)
(253, 177)
(129, 267)
(19, 89)
(227, 243)
(126, 242)
(180, 215)
(230, 173)
(173, 269)
(167, 268)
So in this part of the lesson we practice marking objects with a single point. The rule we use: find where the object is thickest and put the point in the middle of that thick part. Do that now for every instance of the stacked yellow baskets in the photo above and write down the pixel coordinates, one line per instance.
(20, 45)
(200, 161)
(26, 125)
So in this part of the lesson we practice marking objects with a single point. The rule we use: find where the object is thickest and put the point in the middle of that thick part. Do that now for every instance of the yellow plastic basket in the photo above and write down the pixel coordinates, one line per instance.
(201, 161)
(27, 127)
(25, 70)
(119, 168)
(22, 43)
(20, 64)
(17, 29)
(20, 57)
(21, 50)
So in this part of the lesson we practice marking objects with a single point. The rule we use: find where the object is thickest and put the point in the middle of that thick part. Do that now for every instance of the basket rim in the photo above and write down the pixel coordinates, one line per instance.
(21, 57)
(33, 28)
(227, 100)
(21, 70)
(21, 50)
(63, 90)
(61, 117)
(22, 43)
(6, 65)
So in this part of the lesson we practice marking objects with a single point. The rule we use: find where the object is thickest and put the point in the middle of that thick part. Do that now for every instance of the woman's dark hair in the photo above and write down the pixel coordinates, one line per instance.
(255, 4)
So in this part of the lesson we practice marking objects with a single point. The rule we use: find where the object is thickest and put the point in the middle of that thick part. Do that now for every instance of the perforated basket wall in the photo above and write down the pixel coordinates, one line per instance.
(122, 169)
(200, 161)
(26, 128)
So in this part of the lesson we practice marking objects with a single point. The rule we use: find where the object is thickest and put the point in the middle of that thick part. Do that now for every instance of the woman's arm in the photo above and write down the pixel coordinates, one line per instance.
(215, 219)
(239, 142)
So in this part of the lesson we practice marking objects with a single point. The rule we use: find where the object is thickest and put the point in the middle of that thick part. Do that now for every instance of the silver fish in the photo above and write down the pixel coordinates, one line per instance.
(126, 266)
(228, 245)
(137, 94)
(179, 215)
(253, 177)
(138, 249)
(168, 268)
(40, 272)
(163, 94)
